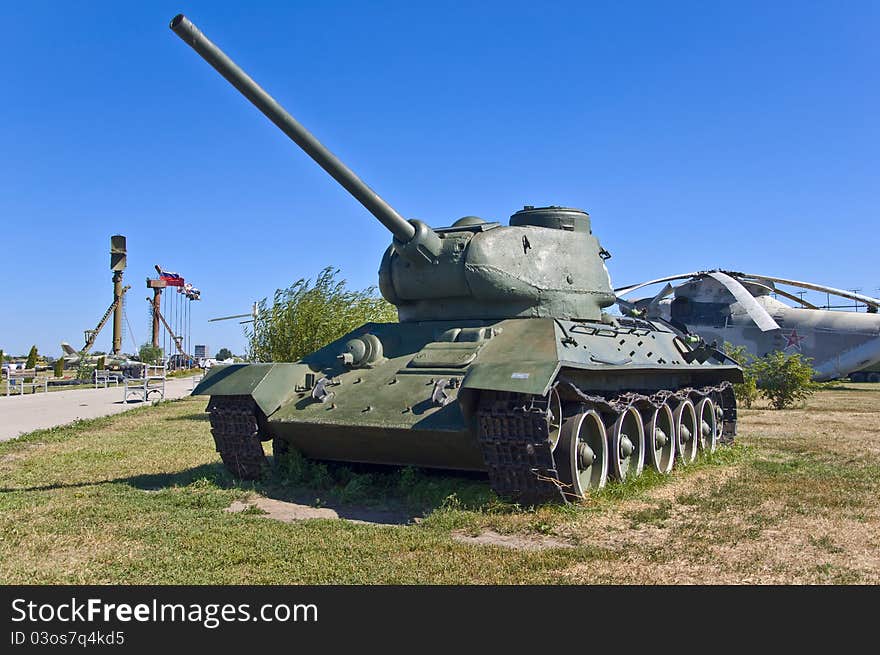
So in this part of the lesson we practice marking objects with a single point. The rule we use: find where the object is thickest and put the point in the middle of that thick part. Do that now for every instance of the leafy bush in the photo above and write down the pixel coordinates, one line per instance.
(305, 317)
(784, 379)
(59, 368)
(747, 392)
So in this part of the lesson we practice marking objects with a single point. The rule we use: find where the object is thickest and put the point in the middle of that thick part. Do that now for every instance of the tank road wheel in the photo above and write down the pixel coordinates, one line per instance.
(236, 434)
(707, 419)
(627, 454)
(686, 431)
(719, 420)
(582, 455)
(660, 440)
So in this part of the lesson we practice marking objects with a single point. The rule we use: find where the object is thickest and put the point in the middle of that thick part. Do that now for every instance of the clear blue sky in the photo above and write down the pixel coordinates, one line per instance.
(698, 135)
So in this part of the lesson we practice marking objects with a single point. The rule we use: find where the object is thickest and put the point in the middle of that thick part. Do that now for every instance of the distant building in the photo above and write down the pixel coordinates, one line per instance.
(200, 352)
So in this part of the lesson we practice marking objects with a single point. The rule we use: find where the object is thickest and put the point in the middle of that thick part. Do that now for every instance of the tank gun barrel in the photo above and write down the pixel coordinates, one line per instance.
(402, 229)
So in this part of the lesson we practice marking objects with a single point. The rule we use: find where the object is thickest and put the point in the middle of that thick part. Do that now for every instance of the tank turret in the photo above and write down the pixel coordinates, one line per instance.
(546, 263)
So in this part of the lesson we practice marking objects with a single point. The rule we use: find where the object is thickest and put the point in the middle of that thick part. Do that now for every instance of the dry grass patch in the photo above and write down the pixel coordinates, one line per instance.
(515, 541)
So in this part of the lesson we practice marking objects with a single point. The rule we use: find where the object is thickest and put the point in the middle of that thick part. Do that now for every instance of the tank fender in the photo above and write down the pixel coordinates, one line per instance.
(268, 384)
(519, 377)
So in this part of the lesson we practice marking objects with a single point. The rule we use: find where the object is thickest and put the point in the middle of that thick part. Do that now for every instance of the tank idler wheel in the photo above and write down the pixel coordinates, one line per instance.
(660, 440)
(707, 419)
(554, 406)
(582, 454)
(687, 435)
(627, 454)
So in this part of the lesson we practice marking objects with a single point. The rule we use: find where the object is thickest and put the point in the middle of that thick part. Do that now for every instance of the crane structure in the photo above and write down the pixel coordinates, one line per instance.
(92, 335)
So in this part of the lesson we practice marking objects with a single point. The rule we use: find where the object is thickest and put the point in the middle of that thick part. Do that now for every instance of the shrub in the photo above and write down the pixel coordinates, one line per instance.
(784, 379)
(59, 368)
(747, 392)
(305, 317)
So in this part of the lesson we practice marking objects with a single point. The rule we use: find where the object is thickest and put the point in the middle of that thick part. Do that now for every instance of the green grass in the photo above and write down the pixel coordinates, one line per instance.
(140, 498)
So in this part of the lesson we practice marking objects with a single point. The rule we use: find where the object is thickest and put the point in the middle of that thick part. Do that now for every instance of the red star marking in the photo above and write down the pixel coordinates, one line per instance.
(793, 340)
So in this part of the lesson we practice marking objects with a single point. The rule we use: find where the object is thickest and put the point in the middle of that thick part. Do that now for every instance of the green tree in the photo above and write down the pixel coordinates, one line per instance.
(150, 354)
(31, 358)
(224, 353)
(305, 317)
(784, 379)
(59, 368)
(747, 392)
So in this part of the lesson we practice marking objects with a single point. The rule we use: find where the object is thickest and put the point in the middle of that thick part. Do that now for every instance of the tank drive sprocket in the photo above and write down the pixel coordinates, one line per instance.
(514, 439)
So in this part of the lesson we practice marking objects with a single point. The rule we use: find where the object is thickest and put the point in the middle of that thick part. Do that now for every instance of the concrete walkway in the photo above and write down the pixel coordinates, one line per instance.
(22, 414)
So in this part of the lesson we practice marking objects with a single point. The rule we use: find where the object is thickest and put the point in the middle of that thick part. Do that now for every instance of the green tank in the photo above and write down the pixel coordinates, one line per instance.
(503, 360)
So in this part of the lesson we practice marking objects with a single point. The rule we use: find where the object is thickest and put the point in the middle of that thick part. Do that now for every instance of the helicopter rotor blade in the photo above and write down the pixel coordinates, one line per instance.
(785, 294)
(665, 291)
(753, 308)
(645, 307)
(622, 291)
(849, 295)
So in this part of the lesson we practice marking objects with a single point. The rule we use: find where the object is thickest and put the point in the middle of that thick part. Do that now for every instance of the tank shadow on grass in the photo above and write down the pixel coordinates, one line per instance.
(356, 492)
(372, 494)
(146, 482)
(385, 495)
(363, 492)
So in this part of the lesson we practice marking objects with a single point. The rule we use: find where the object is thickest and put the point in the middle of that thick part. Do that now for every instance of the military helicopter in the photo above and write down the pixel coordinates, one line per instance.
(740, 308)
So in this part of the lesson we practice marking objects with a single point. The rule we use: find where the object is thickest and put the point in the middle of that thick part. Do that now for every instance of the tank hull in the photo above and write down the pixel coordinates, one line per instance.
(418, 404)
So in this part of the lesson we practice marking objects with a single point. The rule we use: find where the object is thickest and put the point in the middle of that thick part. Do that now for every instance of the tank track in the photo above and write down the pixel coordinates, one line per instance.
(514, 428)
(235, 429)
(517, 453)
